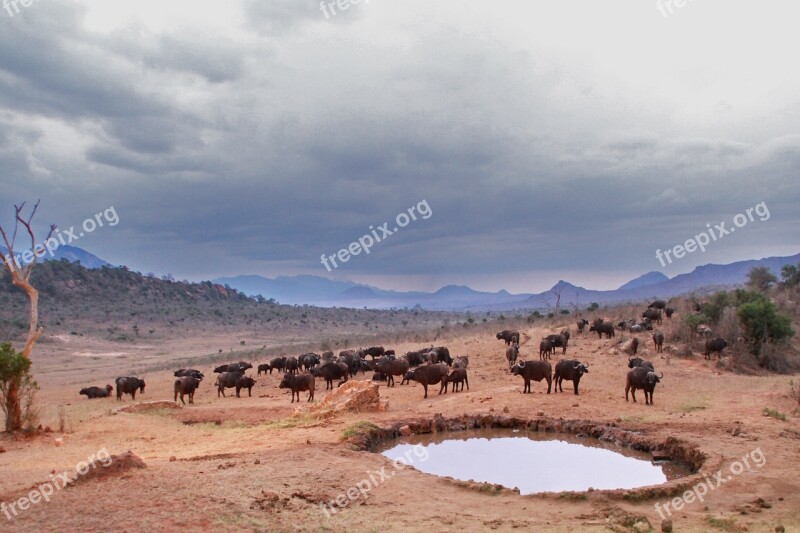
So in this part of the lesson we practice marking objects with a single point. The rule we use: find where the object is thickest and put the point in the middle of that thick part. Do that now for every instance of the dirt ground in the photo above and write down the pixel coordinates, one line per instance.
(251, 464)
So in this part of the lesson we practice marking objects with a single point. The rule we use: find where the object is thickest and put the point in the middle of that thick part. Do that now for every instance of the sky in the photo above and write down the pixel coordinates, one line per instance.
(543, 140)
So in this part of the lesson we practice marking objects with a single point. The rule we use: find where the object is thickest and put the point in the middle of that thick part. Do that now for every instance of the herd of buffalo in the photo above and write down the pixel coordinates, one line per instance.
(429, 366)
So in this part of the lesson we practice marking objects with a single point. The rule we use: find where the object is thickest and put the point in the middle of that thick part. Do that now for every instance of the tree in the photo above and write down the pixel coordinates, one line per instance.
(761, 278)
(15, 377)
(20, 276)
(594, 306)
(790, 275)
(763, 323)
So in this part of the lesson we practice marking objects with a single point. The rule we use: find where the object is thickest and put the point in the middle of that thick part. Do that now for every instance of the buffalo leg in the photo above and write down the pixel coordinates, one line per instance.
(426, 390)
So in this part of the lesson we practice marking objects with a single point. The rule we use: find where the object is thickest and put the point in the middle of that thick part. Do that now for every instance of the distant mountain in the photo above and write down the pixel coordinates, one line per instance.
(319, 291)
(71, 254)
(651, 278)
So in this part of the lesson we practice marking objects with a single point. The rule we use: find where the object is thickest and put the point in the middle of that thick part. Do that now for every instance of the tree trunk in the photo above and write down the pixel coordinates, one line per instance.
(14, 419)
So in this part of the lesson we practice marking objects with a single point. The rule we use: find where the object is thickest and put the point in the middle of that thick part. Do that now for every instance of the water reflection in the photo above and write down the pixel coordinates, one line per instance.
(534, 462)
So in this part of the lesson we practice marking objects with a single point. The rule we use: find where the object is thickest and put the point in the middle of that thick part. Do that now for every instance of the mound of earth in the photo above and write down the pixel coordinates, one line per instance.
(114, 466)
(146, 406)
(353, 396)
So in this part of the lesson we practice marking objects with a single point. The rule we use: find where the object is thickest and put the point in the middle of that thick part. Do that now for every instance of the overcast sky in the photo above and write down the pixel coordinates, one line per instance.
(551, 140)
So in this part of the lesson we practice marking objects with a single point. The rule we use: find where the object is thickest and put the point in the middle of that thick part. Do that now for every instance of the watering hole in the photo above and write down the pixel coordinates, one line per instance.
(531, 461)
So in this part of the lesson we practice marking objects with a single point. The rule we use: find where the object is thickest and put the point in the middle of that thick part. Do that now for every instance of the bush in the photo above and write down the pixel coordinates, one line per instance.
(762, 323)
(15, 370)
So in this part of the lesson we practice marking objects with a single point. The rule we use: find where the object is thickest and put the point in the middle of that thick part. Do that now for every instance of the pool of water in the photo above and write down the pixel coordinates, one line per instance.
(531, 461)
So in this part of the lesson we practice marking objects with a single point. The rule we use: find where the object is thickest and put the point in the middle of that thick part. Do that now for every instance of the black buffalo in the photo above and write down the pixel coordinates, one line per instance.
(292, 365)
(392, 368)
(245, 382)
(658, 340)
(277, 363)
(509, 336)
(227, 380)
(265, 367)
(602, 328)
(97, 392)
(715, 345)
(582, 323)
(668, 311)
(533, 370)
(637, 362)
(570, 370)
(302, 382)
(512, 352)
(330, 372)
(458, 375)
(428, 375)
(545, 349)
(559, 341)
(643, 378)
(652, 314)
(129, 385)
(186, 385)
(658, 304)
(191, 372)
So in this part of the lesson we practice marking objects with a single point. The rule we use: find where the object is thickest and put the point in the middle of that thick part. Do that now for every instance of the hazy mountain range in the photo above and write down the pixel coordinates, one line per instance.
(323, 292)
(319, 291)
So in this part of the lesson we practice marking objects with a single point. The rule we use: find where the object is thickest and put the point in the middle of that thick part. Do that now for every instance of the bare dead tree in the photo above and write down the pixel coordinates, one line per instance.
(21, 276)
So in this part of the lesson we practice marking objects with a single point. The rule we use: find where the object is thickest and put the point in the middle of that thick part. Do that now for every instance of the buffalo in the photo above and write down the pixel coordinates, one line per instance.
(428, 375)
(545, 349)
(441, 355)
(715, 345)
(559, 341)
(186, 385)
(307, 361)
(606, 328)
(292, 365)
(570, 370)
(512, 352)
(637, 361)
(277, 363)
(233, 367)
(658, 304)
(582, 323)
(658, 340)
(459, 375)
(634, 345)
(652, 314)
(375, 351)
(533, 370)
(245, 382)
(330, 372)
(191, 372)
(668, 311)
(417, 357)
(298, 383)
(643, 378)
(461, 361)
(392, 368)
(129, 385)
(510, 336)
(97, 392)
(264, 368)
(227, 380)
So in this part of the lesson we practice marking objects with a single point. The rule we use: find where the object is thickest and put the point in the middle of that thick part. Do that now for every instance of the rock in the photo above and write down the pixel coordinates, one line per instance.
(257, 462)
(780, 529)
(642, 526)
(58, 442)
(172, 458)
(505, 409)
(725, 362)
(539, 413)
(666, 525)
(405, 431)
(353, 396)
